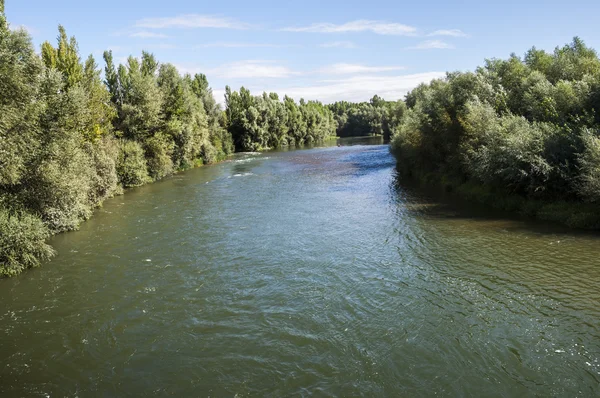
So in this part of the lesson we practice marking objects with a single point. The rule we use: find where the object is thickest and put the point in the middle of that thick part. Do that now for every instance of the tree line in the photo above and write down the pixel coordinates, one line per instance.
(70, 138)
(376, 117)
(262, 122)
(522, 133)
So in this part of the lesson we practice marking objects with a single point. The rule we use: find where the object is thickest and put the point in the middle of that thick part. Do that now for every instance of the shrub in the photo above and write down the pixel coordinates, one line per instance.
(131, 164)
(105, 182)
(159, 150)
(22, 242)
(589, 163)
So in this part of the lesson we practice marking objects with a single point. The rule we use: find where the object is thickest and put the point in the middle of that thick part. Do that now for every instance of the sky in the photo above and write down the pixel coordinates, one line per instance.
(325, 50)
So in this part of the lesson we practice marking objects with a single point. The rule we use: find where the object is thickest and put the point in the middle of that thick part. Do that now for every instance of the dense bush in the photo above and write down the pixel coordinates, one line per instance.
(22, 242)
(589, 161)
(131, 167)
(527, 127)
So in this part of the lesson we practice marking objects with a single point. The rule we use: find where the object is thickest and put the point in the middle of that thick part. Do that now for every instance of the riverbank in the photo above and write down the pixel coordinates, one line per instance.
(571, 214)
(520, 134)
(23, 238)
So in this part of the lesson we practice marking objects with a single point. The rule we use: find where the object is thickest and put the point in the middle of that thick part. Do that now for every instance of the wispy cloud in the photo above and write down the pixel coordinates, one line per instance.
(161, 46)
(191, 21)
(338, 44)
(249, 69)
(348, 69)
(432, 44)
(144, 34)
(356, 89)
(238, 45)
(363, 25)
(26, 28)
(449, 32)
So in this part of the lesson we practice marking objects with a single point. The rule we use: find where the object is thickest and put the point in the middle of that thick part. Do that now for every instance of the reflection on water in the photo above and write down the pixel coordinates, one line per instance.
(311, 272)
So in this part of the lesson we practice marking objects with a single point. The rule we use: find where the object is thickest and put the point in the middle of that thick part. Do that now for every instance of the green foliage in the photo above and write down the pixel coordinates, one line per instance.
(131, 164)
(65, 58)
(58, 182)
(376, 117)
(589, 163)
(68, 140)
(49, 55)
(262, 122)
(22, 242)
(112, 79)
(105, 181)
(523, 128)
(159, 151)
(20, 75)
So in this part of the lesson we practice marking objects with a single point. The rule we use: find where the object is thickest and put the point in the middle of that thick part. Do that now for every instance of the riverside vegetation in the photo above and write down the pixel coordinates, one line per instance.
(69, 139)
(524, 130)
(521, 134)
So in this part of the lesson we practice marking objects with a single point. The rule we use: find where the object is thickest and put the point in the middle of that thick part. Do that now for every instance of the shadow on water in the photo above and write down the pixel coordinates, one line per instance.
(372, 158)
(368, 140)
(432, 202)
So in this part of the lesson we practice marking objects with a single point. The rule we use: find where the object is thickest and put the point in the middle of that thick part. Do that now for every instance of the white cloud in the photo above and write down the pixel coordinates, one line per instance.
(144, 34)
(250, 69)
(449, 32)
(238, 45)
(378, 27)
(253, 69)
(264, 69)
(431, 44)
(347, 69)
(355, 89)
(190, 21)
(339, 44)
(26, 28)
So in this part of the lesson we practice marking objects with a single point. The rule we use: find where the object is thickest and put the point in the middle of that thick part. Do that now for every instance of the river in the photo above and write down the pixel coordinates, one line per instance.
(304, 273)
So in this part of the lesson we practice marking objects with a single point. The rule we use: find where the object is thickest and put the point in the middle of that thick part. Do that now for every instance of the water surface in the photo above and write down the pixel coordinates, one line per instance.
(303, 273)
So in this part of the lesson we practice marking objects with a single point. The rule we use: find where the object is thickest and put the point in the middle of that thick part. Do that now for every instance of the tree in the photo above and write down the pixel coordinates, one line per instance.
(111, 79)
(49, 55)
(67, 58)
(101, 112)
(20, 74)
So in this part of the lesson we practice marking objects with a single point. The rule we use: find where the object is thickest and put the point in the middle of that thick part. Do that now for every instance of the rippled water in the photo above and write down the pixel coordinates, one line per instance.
(303, 273)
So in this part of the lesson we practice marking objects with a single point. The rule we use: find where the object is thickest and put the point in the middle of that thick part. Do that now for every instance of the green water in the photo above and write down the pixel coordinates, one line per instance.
(303, 273)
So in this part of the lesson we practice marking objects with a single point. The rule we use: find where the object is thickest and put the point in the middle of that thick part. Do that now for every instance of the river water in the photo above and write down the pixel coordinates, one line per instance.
(304, 273)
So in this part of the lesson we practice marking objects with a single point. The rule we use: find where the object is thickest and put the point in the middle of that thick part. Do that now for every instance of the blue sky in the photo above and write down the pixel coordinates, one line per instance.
(326, 50)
